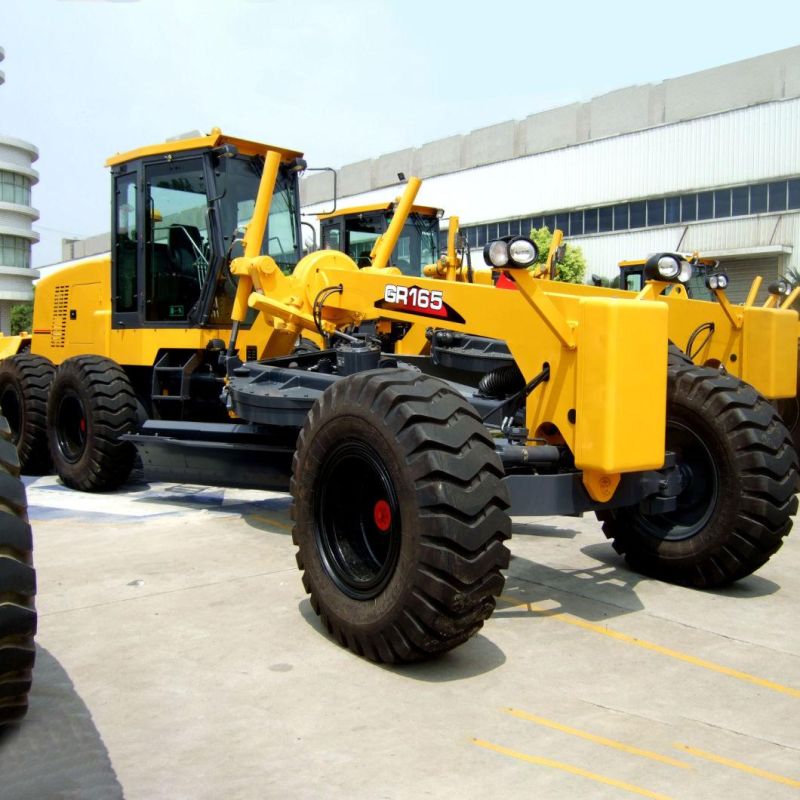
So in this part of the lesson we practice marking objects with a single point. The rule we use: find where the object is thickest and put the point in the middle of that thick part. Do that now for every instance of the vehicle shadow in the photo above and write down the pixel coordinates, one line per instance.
(539, 529)
(477, 656)
(593, 593)
(214, 500)
(56, 751)
(751, 586)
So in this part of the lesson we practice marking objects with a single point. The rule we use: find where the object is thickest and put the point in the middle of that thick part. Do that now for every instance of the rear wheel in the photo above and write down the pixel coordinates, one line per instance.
(400, 515)
(739, 471)
(91, 406)
(17, 587)
(24, 383)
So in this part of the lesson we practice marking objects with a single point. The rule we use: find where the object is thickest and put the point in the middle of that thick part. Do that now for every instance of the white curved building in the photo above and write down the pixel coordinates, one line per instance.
(17, 216)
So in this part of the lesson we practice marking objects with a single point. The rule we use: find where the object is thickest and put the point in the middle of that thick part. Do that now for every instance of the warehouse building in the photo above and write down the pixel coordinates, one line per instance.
(708, 162)
(16, 220)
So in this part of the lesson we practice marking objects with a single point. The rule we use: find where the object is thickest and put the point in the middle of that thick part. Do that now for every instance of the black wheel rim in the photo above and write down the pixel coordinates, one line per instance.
(357, 520)
(11, 408)
(701, 479)
(71, 427)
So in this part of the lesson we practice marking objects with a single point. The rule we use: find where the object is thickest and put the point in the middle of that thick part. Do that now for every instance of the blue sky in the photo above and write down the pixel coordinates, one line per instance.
(341, 81)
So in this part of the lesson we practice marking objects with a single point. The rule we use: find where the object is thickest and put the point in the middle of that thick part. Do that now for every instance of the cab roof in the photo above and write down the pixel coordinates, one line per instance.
(214, 139)
(425, 211)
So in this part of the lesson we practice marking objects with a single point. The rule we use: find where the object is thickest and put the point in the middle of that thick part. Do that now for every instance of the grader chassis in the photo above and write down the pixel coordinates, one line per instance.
(401, 481)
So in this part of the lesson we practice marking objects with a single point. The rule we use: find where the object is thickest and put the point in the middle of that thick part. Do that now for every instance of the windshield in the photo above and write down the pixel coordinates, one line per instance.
(417, 245)
(238, 184)
(428, 230)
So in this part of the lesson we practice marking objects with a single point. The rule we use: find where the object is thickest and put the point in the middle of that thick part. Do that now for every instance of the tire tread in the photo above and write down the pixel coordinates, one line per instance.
(462, 501)
(17, 588)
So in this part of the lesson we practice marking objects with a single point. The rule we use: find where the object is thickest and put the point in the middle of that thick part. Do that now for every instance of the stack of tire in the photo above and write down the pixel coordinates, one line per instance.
(17, 587)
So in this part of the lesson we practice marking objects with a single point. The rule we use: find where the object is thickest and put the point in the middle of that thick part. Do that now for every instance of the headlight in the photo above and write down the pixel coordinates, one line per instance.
(686, 272)
(514, 252)
(522, 252)
(495, 254)
(780, 287)
(717, 281)
(667, 267)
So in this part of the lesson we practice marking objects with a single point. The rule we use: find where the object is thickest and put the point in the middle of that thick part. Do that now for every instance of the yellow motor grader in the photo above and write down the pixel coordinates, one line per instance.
(403, 480)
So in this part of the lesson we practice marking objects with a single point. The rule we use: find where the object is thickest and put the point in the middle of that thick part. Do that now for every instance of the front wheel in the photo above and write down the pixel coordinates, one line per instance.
(90, 407)
(739, 472)
(400, 515)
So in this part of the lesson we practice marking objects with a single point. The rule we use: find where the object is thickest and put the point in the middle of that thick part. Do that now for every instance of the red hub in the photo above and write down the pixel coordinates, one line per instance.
(382, 514)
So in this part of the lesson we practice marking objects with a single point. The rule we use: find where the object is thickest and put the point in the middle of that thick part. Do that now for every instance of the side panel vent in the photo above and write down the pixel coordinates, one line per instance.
(58, 336)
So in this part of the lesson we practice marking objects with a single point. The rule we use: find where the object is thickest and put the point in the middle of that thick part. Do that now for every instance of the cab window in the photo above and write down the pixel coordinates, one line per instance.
(360, 237)
(126, 293)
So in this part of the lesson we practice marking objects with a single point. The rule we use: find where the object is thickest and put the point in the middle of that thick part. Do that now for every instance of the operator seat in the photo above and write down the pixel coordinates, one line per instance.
(184, 249)
(185, 243)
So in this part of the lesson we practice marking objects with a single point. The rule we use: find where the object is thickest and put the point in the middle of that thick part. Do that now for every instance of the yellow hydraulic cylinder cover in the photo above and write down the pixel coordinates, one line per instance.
(770, 351)
(622, 385)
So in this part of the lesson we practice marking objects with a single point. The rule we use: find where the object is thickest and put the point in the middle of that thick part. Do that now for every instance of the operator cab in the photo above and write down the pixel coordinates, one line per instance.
(355, 230)
(179, 212)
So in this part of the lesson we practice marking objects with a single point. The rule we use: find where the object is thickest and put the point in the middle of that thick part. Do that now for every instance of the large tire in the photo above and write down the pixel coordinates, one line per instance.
(90, 407)
(24, 383)
(400, 515)
(789, 409)
(17, 587)
(739, 498)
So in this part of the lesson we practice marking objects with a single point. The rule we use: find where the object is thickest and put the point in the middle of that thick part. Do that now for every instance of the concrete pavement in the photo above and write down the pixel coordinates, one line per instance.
(179, 658)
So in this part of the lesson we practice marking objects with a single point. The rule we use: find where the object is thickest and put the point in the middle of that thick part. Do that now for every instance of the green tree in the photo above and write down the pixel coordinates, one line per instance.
(572, 269)
(21, 318)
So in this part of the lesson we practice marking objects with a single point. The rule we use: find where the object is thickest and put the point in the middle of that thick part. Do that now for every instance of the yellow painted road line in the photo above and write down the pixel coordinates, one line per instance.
(548, 762)
(269, 521)
(591, 737)
(656, 648)
(729, 762)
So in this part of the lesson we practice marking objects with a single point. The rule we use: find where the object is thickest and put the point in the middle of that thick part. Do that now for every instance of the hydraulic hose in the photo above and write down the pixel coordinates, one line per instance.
(502, 381)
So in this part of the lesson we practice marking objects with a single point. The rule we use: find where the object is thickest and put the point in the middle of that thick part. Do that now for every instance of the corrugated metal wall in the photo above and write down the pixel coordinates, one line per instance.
(742, 146)
(741, 274)
(605, 251)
